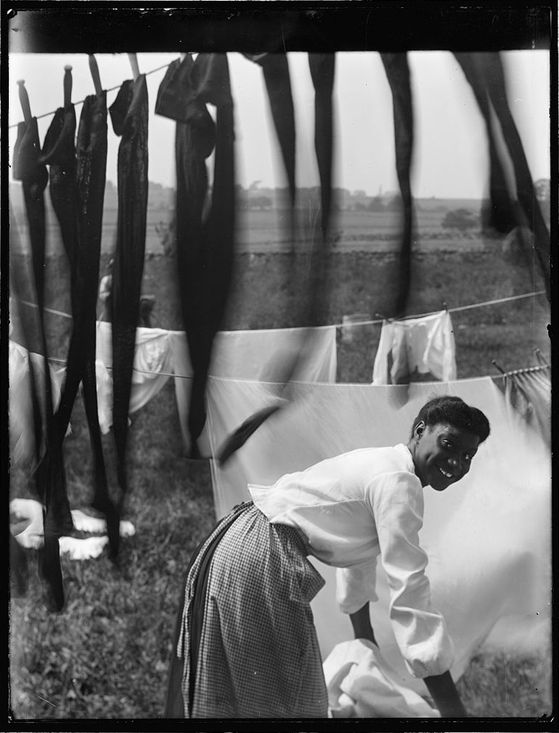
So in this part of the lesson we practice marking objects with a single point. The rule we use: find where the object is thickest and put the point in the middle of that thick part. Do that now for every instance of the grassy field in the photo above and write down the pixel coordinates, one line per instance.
(106, 656)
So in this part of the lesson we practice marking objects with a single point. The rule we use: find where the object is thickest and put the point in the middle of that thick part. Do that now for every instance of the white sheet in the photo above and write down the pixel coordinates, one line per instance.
(256, 354)
(22, 436)
(488, 537)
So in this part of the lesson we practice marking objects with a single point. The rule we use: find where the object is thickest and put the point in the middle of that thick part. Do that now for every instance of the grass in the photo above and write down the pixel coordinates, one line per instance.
(106, 656)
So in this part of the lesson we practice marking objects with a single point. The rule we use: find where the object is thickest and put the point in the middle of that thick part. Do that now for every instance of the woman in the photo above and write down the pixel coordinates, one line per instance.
(247, 646)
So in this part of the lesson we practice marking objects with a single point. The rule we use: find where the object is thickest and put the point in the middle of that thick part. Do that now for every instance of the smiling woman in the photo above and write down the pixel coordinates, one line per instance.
(445, 437)
(346, 511)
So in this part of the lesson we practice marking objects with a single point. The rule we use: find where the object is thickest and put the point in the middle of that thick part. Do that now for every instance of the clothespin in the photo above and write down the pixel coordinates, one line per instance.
(540, 357)
(497, 366)
(94, 69)
(134, 64)
(67, 86)
(445, 306)
(182, 56)
(24, 101)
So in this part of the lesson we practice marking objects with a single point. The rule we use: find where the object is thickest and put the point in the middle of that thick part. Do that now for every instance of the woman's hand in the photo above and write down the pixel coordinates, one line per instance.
(361, 622)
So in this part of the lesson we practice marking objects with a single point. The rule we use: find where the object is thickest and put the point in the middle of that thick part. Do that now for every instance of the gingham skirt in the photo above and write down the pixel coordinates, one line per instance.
(247, 646)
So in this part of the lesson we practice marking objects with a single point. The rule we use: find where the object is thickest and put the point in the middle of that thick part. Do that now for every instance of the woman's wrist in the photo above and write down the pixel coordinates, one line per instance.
(445, 695)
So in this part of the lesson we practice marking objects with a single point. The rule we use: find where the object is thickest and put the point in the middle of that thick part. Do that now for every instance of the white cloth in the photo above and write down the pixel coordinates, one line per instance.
(413, 347)
(256, 354)
(153, 365)
(76, 548)
(22, 435)
(487, 538)
(361, 684)
(353, 508)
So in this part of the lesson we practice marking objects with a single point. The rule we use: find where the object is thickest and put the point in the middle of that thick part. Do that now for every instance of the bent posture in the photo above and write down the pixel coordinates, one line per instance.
(246, 644)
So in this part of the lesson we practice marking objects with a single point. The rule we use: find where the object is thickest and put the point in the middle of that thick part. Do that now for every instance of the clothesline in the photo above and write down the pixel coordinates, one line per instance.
(81, 101)
(173, 375)
(54, 360)
(482, 304)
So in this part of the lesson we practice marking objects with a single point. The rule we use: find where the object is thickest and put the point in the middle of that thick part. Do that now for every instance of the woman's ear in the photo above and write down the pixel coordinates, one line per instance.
(419, 429)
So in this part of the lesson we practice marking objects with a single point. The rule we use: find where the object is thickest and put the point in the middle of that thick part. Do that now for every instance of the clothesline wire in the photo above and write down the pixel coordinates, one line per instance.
(54, 360)
(482, 304)
(81, 101)
(174, 375)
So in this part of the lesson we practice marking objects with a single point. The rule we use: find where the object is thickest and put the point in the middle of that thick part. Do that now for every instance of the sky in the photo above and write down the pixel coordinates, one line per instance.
(450, 154)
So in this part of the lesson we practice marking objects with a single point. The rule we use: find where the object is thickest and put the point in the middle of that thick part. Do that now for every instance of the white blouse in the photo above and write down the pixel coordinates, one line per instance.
(353, 508)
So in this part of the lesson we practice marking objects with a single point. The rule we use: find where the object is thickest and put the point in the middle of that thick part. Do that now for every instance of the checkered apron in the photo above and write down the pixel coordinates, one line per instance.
(247, 640)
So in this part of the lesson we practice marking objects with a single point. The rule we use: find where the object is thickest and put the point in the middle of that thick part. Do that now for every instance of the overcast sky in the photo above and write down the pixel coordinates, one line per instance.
(450, 157)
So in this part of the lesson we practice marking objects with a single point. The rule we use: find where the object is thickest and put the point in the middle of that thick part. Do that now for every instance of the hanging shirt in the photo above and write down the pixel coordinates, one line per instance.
(353, 508)
(416, 349)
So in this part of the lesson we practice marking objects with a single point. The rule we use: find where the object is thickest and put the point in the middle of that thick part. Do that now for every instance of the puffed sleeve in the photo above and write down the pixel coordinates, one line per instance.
(419, 629)
(355, 586)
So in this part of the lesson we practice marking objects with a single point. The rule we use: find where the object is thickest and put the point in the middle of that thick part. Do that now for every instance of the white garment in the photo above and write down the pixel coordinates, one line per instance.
(487, 537)
(22, 434)
(416, 346)
(361, 684)
(256, 354)
(76, 548)
(353, 508)
(153, 364)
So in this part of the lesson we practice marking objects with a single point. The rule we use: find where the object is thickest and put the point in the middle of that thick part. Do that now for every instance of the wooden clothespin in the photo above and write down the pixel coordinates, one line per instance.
(94, 69)
(67, 86)
(540, 357)
(134, 64)
(445, 306)
(24, 101)
(497, 366)
(182, 56)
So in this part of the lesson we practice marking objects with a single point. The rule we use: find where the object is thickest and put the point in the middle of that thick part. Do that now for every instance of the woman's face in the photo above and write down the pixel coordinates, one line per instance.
(442, 453)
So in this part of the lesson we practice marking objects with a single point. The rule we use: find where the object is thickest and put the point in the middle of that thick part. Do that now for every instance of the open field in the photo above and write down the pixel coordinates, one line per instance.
(106, 656)
(265, 230)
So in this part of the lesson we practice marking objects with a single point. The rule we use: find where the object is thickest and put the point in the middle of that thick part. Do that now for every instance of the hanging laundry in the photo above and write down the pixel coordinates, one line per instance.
(416, 349)
(204, 228)
(91, 151)
(153, 364)
(322, 67)
(23, 451)
(256, 354)
(129, 115)
(49, 476)
(485, 74)
(479, 579)
(528, 394)
(28, 168)
(398, 76)
(275, 70)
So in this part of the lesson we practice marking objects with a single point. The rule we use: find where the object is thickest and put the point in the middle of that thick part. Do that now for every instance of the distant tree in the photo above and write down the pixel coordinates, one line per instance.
(394, 203)
(461, 219)
(165, 230)
(376, 204)
(260, 202)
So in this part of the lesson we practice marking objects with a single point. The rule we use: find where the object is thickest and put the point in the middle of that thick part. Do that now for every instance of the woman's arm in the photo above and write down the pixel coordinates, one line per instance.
(361, 622)
(445, 695)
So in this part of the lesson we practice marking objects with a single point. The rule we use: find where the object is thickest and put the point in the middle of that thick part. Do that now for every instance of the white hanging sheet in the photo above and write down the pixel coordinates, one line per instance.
(22, 435)
(256, 354)
(153, 363)
(487, 538)
(412, 349)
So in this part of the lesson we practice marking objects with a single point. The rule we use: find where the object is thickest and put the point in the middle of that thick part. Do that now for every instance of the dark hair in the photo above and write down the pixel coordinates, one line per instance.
(455, 412)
